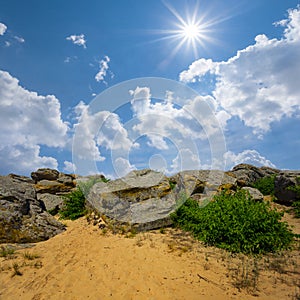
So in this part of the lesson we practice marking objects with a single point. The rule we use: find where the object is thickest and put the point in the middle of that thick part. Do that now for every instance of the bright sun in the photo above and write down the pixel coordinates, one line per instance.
(191, 31)
(194, 31)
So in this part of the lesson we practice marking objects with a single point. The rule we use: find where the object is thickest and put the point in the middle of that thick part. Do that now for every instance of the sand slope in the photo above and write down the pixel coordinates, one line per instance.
(82, 263)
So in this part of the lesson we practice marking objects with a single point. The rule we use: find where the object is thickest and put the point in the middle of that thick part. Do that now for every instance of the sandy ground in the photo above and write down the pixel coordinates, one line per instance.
(84, 263)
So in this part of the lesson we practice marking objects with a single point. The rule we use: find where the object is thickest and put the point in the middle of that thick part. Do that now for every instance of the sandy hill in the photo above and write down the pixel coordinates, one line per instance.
(85, 263)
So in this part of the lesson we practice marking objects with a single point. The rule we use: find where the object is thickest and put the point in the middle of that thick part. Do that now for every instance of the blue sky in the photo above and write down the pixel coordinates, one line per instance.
(234, 95)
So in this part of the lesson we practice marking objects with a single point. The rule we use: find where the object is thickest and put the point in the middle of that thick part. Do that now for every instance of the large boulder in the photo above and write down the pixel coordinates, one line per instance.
(23, 218)
(202, 183)
(247, 174)
(52, 187)
(51, 181)
(44, 174)
(51, 202)
(254, 193)
(284, 183)
(144, 199)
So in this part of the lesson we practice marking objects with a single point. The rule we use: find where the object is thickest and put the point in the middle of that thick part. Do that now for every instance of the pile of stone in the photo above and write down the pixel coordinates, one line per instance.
(143, 199)
(23, 218)
(25, 202)
(50, 185)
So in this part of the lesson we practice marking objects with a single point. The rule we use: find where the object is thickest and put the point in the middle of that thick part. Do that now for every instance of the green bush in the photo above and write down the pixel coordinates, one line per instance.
(86, 186)
(265, 185)
(296, 206)
(296, 203)
(74, 205)
(235, 223)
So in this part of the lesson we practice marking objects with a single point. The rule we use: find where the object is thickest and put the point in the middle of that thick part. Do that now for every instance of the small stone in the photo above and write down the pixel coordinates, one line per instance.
(254, 193)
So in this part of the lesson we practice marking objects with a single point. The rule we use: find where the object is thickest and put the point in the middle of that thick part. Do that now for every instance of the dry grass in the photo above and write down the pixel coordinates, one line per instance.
(18, 261)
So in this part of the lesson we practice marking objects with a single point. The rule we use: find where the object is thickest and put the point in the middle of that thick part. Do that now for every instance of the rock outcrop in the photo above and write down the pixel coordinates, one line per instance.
(44, 174)
(203, 184)
(50, 185)
(143, 199)
(248, 174)
(284, 183)
(146, 198)
(24, 203)
(23, 218)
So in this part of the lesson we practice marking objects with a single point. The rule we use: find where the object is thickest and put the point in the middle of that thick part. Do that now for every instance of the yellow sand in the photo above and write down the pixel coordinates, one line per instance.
(82, 263)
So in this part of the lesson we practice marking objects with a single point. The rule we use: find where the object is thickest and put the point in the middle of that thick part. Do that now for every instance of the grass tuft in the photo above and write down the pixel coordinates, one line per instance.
(16, 270)
(7, 252)
(30, 256)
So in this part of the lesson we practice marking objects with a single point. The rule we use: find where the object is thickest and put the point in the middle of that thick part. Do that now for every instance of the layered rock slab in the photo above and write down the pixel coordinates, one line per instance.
(23, 218)
(143, 198)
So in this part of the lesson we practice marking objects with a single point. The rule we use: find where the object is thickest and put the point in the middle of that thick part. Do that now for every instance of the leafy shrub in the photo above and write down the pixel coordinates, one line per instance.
(235, 223)
(74, 205)
(265, 185)
(86, 186)
(296, 204)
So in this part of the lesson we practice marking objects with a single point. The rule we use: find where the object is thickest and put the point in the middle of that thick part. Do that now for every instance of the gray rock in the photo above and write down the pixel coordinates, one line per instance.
(52, 187)
(283, 182)
(67, 179)
(247, 174)
(202, 182)
(23, 218)
(146, 198)
(142, 198)
(45, 173)
(21, 178)
(50, 201)
(269, 171)
(254, 193)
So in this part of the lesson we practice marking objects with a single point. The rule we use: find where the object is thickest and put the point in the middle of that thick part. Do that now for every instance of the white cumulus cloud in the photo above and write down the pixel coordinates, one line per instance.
(3, 28)
(252, 157)
(101, 129)
(69, 167)
(77, 40)
(162, 121)
(103, 65)
(185, 160)
(28, 121)
(23, 159)
(122, 167)
(260, 83)
(197, 69)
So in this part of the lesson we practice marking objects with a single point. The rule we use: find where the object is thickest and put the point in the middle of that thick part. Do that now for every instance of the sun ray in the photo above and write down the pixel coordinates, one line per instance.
(193, 30)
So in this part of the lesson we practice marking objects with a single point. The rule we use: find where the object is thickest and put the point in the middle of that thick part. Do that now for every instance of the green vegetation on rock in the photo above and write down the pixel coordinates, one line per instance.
(87, 185)
(235, 223)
